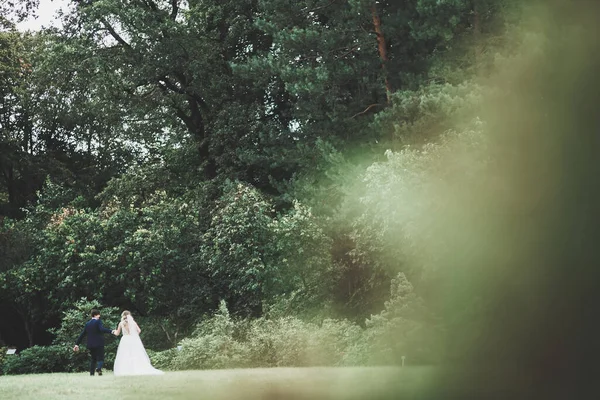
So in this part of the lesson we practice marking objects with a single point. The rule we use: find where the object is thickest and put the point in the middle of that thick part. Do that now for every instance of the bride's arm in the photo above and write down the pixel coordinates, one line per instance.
(118, 330)
(138, 328)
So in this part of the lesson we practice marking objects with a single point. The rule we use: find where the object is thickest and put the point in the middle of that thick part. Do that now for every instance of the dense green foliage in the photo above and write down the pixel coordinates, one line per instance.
(59, 356)
(290, 159)
(224, 341)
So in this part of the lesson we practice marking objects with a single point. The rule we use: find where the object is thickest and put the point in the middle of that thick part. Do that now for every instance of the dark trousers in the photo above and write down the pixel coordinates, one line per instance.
(97, 361)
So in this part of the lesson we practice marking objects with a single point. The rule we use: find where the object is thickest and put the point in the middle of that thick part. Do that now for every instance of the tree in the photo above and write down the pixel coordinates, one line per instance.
(51, 124)
(17, 164)
(179, 68)
(12, 11)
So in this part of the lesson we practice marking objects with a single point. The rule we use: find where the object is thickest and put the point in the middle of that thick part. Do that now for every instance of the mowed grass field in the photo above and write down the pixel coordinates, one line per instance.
(259, 383)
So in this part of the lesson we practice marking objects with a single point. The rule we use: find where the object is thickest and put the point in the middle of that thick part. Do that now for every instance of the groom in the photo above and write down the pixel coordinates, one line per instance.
(95, 341)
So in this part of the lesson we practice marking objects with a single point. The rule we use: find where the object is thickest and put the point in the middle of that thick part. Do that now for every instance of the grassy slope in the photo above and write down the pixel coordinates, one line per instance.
(275, 383)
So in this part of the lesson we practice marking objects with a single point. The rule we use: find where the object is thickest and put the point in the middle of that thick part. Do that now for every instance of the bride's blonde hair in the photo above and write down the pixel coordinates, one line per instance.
(124, 315)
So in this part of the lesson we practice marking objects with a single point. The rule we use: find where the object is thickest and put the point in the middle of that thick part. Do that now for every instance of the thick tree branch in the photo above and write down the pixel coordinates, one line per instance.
(167, 83)
(166, 333)
(365, 110)
(114, 34)
(193, 122)
(174, 9)
(187, 120)
(186, 83)
(196, 116)
(352, 50)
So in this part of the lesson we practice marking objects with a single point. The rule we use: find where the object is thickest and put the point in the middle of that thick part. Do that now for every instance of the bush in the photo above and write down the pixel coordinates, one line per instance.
(48, 359)
(291, 342)
(42, 359)
(162, 359)
(404, 328)
(223, 342)
(2, 357)
(77, 315)
(281, 342)
(211, 352)
(60, 357)
(213, 346)
(73, 321)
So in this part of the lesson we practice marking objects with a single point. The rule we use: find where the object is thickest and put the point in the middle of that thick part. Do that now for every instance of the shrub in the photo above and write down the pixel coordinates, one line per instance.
(42, 359)
(73, 321)
(2, 357)
(404, 328)
(293, 342)
(213, 345)
(77, 315)
(283, 342)
(60, 357)
(210, 352)
(223, 342)
(48, 359)
(162, 359)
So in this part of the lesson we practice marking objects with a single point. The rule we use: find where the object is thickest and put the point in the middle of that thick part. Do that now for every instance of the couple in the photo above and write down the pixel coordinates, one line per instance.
(131, 358)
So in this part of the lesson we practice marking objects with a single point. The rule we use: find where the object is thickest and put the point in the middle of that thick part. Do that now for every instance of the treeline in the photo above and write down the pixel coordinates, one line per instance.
(165, 156)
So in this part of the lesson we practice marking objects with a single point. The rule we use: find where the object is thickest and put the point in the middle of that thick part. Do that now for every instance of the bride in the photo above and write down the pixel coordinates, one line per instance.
(132, 358)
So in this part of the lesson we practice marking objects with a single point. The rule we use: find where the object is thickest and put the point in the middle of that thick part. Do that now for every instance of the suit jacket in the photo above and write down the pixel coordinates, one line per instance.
(95, 333)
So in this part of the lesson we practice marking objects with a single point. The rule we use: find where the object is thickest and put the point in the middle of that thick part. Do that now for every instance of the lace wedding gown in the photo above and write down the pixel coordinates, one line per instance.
(132, 358)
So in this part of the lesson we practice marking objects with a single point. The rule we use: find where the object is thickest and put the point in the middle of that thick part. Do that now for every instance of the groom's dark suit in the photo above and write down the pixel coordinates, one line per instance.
(95, 342)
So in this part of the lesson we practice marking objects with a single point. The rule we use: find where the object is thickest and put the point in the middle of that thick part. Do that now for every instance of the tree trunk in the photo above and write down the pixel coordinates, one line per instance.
(11, 188)
(29, 334)
(382, 47)
(27, 326)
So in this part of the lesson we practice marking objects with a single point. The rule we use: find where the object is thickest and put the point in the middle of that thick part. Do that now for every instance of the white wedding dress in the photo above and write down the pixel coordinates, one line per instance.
(132, 358)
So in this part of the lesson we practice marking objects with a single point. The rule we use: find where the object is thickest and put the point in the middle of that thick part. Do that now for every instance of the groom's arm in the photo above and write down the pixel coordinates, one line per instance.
(102, 329)
(80, 337)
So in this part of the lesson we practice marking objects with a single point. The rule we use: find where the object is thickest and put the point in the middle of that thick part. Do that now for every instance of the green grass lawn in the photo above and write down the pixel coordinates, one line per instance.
(260, 383)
